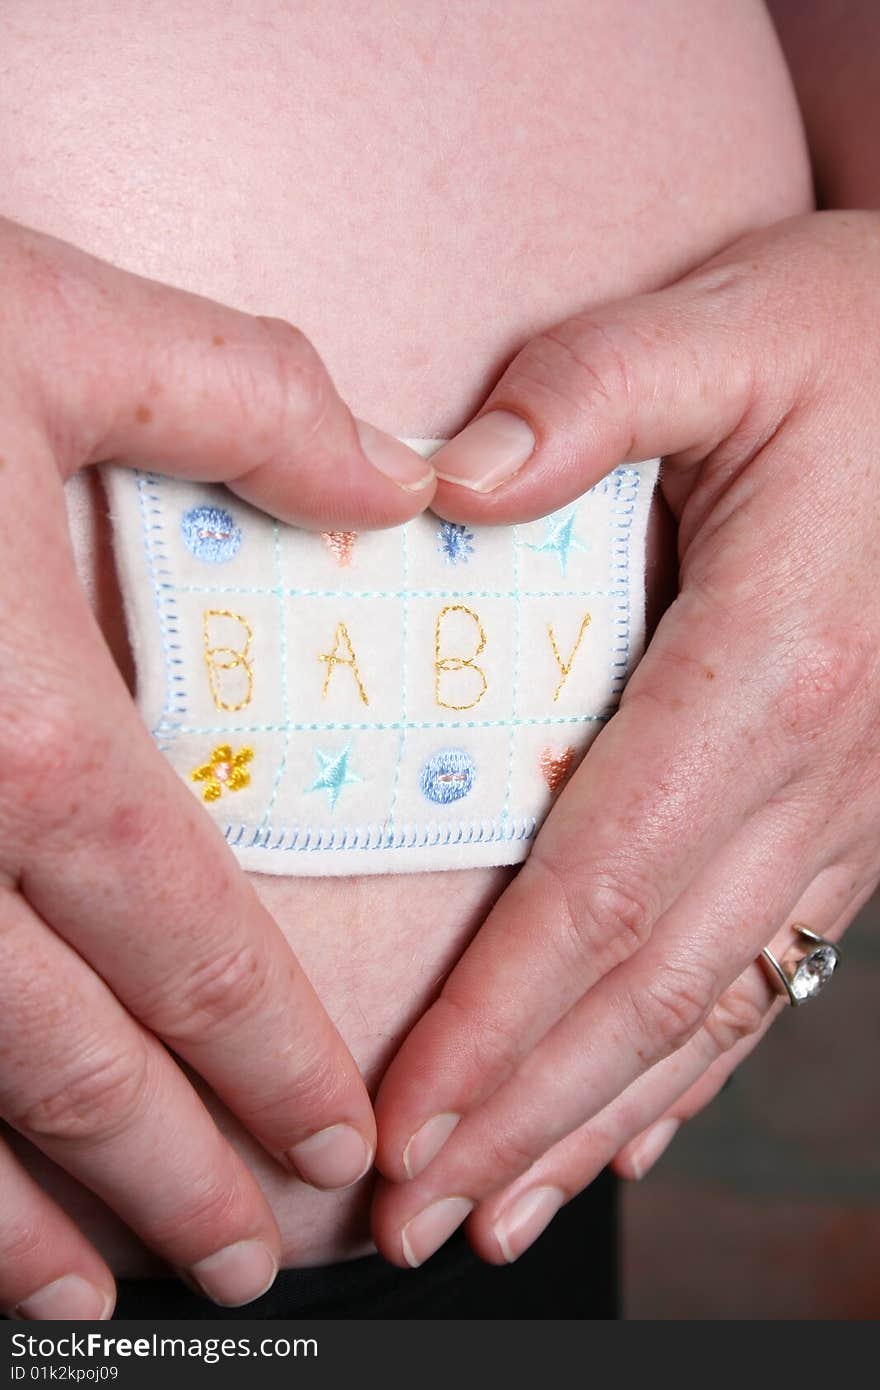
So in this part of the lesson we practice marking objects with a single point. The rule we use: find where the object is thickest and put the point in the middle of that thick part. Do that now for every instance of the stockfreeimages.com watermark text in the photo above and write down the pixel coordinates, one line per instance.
(97, 1346)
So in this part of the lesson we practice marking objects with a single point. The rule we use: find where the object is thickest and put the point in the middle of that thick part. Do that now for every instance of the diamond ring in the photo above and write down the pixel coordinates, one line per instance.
(804, 971)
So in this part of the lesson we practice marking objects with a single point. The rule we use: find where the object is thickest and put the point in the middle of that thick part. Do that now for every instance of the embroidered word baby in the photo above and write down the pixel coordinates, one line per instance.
(404, 699)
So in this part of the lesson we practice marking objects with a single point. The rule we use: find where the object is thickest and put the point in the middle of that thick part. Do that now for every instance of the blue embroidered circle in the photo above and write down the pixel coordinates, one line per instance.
(210, 534)
(448, 775)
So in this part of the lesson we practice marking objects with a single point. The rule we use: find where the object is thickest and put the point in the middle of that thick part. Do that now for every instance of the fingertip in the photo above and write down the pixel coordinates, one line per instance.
(237, 1274)
(332, 1159)
(385, 1231)
(641, 1154)
(425, 1143)
(487, 453)
(397, 461)
(69, 1298)
(353, 477)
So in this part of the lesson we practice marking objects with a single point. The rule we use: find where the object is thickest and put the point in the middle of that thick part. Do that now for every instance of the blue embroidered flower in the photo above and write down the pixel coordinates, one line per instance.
(455, 542)
(334, 775)
(448, 775)
(210, 534)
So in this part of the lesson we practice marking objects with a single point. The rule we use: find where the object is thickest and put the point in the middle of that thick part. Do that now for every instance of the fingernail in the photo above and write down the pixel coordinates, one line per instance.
(68, 1299)
(334, 1157)
(486, 453)
(237, 1274)
(525, 1219)
(427, 1142)
(654, 1141)
(426, 1232)
(393, 459)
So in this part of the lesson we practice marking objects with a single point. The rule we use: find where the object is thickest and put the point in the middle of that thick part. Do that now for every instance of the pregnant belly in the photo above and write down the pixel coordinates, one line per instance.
(420, 189)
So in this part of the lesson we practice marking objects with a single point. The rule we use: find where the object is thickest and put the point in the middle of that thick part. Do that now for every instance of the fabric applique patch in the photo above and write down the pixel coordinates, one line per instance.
(371, 702)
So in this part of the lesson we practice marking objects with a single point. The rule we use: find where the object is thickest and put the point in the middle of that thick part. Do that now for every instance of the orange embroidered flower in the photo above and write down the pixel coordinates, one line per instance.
(224, 769)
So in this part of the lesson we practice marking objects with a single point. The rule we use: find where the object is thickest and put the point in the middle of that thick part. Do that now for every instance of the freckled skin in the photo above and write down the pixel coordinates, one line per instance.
(418, 260)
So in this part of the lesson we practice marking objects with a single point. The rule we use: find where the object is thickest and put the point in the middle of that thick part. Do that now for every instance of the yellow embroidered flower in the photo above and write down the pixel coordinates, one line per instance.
(224, 769)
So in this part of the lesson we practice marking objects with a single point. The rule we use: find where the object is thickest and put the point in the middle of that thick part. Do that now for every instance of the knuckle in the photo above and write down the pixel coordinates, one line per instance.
(216, 995)
(608, 920)
(96, 1100)
(826, 673)
(581, 360)
(22, 1238)
(310, 1090)
(737, 1015)
(505, 1155)
(670, 1010)
(491, 1049)
(619, 911)
(601, 916)
(47, 758)
(289, 383)
(202, 1219)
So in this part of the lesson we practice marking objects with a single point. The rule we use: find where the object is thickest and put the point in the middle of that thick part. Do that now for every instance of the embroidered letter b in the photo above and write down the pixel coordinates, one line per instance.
(458, 677)
(228, 637)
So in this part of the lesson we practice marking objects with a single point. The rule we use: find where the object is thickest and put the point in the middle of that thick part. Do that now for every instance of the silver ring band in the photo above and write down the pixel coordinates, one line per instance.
(804, 971)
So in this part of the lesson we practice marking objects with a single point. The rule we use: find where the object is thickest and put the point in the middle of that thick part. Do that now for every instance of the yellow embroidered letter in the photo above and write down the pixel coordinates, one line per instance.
(228, 692)
(333, 660)
(565, 666)
(443, 664)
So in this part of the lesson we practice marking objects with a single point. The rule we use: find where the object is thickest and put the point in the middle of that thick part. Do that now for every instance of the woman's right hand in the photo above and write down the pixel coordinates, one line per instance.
(126, 926)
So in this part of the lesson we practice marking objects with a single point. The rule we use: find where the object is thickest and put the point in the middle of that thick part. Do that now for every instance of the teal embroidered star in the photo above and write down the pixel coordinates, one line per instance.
(334, 775)
(560, 538)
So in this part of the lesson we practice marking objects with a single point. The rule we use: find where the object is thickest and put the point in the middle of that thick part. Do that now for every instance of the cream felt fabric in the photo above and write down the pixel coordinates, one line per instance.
(397, 700)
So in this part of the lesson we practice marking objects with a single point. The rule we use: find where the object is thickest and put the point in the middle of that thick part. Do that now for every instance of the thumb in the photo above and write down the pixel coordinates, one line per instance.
(125, 368)
(671, 373)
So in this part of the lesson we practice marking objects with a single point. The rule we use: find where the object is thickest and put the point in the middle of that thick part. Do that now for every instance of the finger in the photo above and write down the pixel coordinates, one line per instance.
(662, 789)
(638, 1154)
(190, 950)
(128, 369)
(97, 1094)
(600, 387)
(646, 1009)
(48, 1270)
(655, 1106)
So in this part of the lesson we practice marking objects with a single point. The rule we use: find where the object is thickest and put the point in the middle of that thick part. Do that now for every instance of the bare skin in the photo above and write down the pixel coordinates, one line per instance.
(510, 179)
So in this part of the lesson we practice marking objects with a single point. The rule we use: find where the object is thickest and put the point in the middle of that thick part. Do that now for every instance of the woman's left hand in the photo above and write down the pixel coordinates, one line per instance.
(737, 790)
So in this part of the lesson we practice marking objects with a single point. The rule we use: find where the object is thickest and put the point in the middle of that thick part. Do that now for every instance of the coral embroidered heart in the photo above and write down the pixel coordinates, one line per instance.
(340, 544)
(556, 767)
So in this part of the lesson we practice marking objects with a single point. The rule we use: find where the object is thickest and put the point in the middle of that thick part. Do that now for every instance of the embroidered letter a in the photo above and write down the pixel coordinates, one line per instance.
(342, 642)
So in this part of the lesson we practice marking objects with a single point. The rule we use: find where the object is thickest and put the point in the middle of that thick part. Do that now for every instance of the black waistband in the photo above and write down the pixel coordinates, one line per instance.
(569, 1273)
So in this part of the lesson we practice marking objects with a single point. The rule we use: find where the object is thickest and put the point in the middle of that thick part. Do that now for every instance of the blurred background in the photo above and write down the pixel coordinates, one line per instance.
(768, 1204)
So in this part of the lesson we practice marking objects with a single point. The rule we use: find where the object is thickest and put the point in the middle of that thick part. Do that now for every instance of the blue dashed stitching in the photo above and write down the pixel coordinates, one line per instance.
(153, 531)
